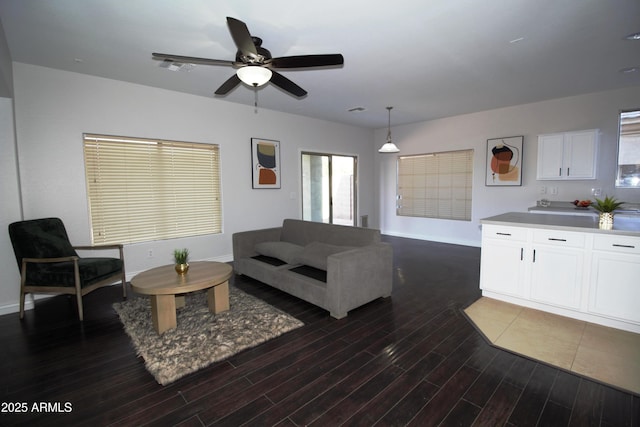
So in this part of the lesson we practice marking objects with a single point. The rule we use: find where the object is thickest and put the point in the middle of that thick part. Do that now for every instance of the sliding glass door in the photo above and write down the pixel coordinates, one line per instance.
(329, 188)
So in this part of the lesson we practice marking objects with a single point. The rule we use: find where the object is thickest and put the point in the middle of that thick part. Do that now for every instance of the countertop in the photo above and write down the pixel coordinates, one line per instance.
(631, 210)
(624, 225)
(564, 210)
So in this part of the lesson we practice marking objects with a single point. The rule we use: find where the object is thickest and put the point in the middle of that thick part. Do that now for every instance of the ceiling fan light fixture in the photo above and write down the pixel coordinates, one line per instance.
(389, 146)
(254, 75)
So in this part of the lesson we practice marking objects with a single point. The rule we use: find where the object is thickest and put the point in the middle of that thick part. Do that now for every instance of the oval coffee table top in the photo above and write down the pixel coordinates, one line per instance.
(165, 281)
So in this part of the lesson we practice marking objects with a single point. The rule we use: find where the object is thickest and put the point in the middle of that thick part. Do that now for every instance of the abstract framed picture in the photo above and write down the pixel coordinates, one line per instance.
(265, 163)
(504, 161)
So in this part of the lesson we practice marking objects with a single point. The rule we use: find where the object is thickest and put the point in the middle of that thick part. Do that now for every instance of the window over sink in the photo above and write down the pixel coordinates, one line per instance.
(629, 149)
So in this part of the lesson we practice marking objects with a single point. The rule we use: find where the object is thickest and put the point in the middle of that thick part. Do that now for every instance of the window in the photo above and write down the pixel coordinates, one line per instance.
(436, 185)
(142, 189)
(629, 149)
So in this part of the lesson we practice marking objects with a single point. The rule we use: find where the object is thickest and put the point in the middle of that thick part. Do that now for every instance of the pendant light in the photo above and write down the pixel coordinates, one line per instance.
(389, 146)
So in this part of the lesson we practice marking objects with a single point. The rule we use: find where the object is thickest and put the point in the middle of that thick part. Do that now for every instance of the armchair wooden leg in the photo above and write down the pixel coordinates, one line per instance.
(76, 271)
(23, 282)
(124, 276)
(124, 286)
(22, 297)
(80, 313)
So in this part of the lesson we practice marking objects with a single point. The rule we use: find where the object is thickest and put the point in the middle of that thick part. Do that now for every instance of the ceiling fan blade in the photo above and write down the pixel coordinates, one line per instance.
(303, 61)
(241, 37)
(285, 84)
(191, 59)
(227, 86)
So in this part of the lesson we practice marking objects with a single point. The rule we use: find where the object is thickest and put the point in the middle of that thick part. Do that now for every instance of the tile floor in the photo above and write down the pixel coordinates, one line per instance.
(605, 354)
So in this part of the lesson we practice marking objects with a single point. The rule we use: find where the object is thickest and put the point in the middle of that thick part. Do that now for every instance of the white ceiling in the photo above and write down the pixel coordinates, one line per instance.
(427, 58)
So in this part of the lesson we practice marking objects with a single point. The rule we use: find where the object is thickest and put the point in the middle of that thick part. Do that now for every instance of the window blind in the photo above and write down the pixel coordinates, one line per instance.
(435, 185)
(142, 189)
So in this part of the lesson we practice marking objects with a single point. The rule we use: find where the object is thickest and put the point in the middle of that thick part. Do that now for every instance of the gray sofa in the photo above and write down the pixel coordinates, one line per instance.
(335, 267)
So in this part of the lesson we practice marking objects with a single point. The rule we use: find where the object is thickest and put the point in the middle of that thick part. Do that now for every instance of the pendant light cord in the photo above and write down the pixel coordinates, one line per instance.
(389, 127)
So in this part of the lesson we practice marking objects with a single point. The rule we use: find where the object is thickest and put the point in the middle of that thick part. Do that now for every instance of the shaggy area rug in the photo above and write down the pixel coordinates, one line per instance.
(201, 338)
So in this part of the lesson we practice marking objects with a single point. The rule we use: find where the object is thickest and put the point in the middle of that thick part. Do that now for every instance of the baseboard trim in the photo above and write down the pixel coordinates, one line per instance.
(14, 307)
(434, 239)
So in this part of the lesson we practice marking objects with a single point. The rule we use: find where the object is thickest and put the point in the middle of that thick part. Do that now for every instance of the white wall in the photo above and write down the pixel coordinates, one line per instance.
(9, 186)
(6, 77)
(592, 111)
(54, 108)
(10, 204)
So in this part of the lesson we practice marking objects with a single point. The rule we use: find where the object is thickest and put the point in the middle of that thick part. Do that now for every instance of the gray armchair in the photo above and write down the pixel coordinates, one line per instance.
(49, 264)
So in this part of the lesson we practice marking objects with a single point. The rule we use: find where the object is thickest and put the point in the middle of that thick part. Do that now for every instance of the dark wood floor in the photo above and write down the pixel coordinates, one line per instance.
(412, 359)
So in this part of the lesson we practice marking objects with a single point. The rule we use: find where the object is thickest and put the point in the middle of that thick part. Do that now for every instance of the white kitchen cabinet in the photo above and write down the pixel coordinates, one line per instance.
(557, 265)
(614, 289)
(543, 265)
(503, 265)
(568, 155)
(588, 275)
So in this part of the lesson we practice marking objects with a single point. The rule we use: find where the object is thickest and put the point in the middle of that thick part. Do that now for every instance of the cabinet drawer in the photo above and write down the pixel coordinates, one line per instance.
(612, 243)
(504, 233)
(559, 238)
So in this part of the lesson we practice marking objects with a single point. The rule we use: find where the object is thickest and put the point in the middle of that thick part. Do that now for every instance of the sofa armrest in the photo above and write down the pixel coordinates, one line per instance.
(357, 276)
(244, 242)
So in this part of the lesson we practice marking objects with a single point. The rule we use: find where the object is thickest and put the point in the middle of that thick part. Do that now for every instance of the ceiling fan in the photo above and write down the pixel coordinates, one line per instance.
(255, 65)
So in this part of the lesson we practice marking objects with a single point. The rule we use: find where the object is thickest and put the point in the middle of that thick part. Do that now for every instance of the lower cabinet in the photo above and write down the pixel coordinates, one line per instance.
(614, 289)
(556, 276)
(590, 276)
(557, 267)
(502, 266)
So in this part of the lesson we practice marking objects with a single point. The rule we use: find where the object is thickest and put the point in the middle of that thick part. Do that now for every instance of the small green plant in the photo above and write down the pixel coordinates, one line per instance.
(609, 204)
(181, 255)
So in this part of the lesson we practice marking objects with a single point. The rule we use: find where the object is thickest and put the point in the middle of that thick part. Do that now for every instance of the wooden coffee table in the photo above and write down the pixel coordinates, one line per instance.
(167, 288)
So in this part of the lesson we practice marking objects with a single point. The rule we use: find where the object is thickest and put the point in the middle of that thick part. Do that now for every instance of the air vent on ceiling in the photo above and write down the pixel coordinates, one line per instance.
(176, 66)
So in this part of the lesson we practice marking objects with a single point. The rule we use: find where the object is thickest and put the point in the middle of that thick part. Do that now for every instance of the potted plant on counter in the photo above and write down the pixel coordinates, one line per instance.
(606, 208)
(180, 257)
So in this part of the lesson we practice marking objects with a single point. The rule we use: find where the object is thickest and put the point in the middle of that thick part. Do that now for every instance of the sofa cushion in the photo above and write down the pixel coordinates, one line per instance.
(315, 254)
(305, 232)
(285, 251)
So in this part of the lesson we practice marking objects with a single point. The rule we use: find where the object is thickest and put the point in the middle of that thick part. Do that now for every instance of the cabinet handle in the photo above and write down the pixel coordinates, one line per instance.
(623, 246)
(503, 234)
(534, 255)
(557, 240)
(559, 171)
(568, 172)
(521, 254)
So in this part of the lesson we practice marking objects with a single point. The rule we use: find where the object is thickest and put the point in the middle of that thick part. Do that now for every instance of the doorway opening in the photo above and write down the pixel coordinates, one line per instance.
(329, 188)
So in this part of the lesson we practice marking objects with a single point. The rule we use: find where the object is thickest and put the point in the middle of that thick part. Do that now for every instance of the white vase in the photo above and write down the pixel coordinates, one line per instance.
(605, 221)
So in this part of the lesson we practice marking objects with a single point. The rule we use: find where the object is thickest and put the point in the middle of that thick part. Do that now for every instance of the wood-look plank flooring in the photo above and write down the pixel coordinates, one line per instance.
(412, 359)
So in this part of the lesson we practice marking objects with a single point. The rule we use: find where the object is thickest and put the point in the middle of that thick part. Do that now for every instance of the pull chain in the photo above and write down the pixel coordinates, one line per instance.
(255, 102)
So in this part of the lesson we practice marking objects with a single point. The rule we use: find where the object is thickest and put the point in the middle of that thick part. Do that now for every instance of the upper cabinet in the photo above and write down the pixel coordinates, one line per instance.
(568, 155)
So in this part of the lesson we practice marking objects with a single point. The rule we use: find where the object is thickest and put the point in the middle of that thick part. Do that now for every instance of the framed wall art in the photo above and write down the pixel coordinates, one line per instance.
(265, 163)
(504, 161)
